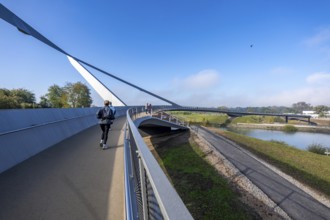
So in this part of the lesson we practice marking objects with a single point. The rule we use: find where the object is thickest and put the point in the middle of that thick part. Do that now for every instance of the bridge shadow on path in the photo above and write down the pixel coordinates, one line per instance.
(74, 179)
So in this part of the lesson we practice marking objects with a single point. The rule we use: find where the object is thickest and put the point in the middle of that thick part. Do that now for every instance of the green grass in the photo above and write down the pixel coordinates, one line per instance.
(307, 167)
(279, 142)
(289, 129)
(201, 118)
(206, 194)
(255, 119)
(310, 168)
(317, 148)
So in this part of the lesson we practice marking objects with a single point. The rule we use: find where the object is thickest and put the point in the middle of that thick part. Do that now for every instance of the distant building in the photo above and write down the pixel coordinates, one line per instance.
(311, 113)
(314, 115)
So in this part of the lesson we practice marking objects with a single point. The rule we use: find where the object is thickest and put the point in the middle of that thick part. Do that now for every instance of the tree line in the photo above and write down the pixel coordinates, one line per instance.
(72, 95)
(296, 108)
(77, 95)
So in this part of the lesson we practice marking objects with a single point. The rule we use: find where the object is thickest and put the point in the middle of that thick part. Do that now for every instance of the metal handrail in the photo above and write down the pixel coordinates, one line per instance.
(169, 202)
(127, 177)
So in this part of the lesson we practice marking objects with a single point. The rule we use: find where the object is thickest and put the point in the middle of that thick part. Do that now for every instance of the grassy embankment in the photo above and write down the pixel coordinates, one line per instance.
(206, 194)
(255, 119)
(307, 167)
(205, 119)
(278, 123)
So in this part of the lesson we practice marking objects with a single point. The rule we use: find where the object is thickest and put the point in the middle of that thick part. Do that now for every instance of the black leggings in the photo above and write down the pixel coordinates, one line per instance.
(105, 130)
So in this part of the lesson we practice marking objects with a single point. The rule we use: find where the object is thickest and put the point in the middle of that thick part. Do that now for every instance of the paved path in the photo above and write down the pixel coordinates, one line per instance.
(295, 202)
(74, 179)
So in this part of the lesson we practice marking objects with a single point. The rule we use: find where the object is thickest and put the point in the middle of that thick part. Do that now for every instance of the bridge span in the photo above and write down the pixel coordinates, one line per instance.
(53, 168)
(75, 179)
(239, 114)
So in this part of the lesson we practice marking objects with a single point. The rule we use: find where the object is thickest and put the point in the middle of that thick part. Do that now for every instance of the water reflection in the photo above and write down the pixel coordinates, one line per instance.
(299, 140)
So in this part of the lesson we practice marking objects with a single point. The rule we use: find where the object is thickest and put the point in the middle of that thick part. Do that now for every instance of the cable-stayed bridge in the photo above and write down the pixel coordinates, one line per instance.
(52, 167)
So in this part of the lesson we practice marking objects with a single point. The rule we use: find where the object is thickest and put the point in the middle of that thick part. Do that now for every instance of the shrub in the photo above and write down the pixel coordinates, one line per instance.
(278, 142)
(289, 128)
(206, 123)
(316, 148)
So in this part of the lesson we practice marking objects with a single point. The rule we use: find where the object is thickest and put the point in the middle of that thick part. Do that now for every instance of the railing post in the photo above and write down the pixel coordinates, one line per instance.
(143, 188)
(127, 140)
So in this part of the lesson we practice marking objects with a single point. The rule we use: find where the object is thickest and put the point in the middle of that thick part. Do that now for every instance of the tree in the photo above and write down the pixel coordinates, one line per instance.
(57, 97)
(223, 108)
(321, 110)
(78, 95)
(24, 97)
(4, 92)
(6, 101)
(75, 95)
(301, 106)
(16, 98)
(44, 102)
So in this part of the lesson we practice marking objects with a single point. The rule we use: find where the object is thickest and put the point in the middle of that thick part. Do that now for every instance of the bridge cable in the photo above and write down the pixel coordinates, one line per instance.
(23, 27)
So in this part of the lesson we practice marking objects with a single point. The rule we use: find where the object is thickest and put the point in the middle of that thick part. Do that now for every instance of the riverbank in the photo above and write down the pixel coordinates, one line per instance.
(311, 170)
(197, 188)
(280, 127)
(206, 194)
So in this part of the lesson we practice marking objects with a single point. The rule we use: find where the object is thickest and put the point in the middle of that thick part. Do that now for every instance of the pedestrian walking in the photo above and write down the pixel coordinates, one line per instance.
(149, 108)
(106, 115)
(146, 107)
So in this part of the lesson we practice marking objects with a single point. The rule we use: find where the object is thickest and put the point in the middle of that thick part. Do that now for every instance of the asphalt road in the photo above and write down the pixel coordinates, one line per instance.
(74, 179)
(295, 202)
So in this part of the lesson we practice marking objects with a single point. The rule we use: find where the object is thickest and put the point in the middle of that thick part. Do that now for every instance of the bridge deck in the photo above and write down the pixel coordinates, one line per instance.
(74, 179)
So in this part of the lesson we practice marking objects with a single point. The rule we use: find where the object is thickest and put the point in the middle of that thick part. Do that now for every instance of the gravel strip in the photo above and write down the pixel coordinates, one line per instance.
(250, 194)
(316, 195)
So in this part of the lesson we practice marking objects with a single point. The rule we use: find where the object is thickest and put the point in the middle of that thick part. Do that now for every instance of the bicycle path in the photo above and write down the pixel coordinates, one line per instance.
(74, 179)
(294, 201)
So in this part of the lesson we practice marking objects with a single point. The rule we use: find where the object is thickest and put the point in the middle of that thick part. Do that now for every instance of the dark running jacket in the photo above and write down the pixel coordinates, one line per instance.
(105, 118)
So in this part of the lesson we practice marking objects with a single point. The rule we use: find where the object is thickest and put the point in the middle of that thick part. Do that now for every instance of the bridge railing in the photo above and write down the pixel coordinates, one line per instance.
(26, 132)
(148, 192)
(170, 118)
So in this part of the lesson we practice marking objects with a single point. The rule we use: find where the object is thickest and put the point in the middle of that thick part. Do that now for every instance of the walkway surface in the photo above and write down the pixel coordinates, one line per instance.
(294, 201)
(75, 179)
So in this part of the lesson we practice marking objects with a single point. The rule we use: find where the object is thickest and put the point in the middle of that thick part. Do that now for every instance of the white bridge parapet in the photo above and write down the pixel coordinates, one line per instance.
(26, 132)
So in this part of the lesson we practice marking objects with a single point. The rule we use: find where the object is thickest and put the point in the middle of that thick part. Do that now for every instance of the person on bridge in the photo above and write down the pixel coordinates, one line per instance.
(149, 108)
(146, 107)
(106, 115)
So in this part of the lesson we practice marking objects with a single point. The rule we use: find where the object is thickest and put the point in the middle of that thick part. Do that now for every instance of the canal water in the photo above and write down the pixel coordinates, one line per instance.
(299, 140)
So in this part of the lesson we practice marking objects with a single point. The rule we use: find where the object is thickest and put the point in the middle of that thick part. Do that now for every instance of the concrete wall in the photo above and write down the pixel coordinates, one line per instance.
(26, 132)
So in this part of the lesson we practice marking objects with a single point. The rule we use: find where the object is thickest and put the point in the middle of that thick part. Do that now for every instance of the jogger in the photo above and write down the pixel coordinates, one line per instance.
(106, 115)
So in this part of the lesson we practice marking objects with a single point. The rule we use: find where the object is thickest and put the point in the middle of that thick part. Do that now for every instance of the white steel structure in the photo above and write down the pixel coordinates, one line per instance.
(101, 89)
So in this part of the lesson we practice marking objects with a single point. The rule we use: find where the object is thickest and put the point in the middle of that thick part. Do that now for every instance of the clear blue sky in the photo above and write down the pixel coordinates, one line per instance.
(193, 52)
